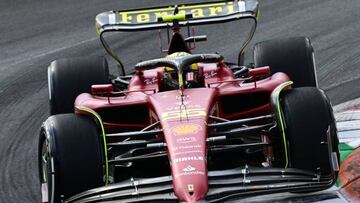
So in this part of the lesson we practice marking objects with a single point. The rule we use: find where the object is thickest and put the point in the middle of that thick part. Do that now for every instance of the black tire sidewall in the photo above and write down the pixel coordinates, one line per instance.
(67, 78)
(307, 116)
(293, 56)
(76, 150)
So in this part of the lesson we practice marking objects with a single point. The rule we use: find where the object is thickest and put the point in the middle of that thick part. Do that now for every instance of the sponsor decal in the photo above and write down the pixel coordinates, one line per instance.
(188, 171)
(186, 147)
(186, 129)
(210, 75)
(198, 11)
(189, 158)
(190, 106)
(188, 152)
(183, 113)
(151, 81)
(185, 140)
(189, 168)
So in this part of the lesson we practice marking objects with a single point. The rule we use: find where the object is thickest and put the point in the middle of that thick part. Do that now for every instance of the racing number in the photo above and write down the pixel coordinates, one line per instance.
(183, 114)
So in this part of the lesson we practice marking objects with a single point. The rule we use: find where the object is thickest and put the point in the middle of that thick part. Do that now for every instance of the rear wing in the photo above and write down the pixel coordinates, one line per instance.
(176, 15)
(201, 13)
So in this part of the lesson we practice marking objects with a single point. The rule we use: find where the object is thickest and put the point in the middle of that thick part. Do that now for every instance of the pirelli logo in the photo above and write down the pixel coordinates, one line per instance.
(198, 11)
(183, 114)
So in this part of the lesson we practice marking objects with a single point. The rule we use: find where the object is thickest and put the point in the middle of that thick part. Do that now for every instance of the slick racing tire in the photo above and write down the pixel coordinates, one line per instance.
(70, 156)
(67, 78)
(293, 56)
(307, 116)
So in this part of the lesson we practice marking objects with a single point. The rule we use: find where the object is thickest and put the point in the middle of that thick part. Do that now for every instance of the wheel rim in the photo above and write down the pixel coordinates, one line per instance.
(46, 179)
(44, 161)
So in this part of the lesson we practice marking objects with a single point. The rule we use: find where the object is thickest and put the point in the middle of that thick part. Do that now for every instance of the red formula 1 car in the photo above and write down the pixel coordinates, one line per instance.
(187, 127)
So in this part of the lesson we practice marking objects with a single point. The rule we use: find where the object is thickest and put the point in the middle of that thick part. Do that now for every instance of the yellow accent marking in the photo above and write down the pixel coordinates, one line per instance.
(214, 10)
(258, 14)
(97, 116)
(182, 12)
(149, 10)
(278, 90)
(125, 18)
(194, 66)
(181, 81)
(169, 18)
(173, 56)
(197, 13)
(186, 129)
(168, 69)
(97, 28)
(143, 18)
(183, 114)
(177, 54)
(230, 8)
(161, 14)
(202, 6)
(172, 8)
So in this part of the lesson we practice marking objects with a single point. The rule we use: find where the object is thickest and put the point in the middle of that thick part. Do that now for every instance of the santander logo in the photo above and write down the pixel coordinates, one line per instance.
(189, 168)
(190, 171)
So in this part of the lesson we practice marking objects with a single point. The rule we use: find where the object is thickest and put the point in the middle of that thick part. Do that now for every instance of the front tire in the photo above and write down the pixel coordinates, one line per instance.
(70, 156)
(307, 115)
(293, 56)
(67, 78)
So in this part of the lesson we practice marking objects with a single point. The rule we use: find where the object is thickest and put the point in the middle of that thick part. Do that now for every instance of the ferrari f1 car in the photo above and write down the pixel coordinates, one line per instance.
(187, 127)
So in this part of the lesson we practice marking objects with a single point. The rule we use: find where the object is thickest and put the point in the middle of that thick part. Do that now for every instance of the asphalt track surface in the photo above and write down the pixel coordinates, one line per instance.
(36, 32)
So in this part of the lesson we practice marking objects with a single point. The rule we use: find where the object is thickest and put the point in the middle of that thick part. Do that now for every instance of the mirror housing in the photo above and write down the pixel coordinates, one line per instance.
(101, 89)
(261, 71)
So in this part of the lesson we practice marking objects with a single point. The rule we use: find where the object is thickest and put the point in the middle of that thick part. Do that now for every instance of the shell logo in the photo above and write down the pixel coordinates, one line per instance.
(186, 129)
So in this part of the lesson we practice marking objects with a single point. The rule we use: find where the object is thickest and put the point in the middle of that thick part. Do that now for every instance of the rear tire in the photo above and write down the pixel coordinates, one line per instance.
(307, 114)
(67, 78)
(293, 56)
(70, 156)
